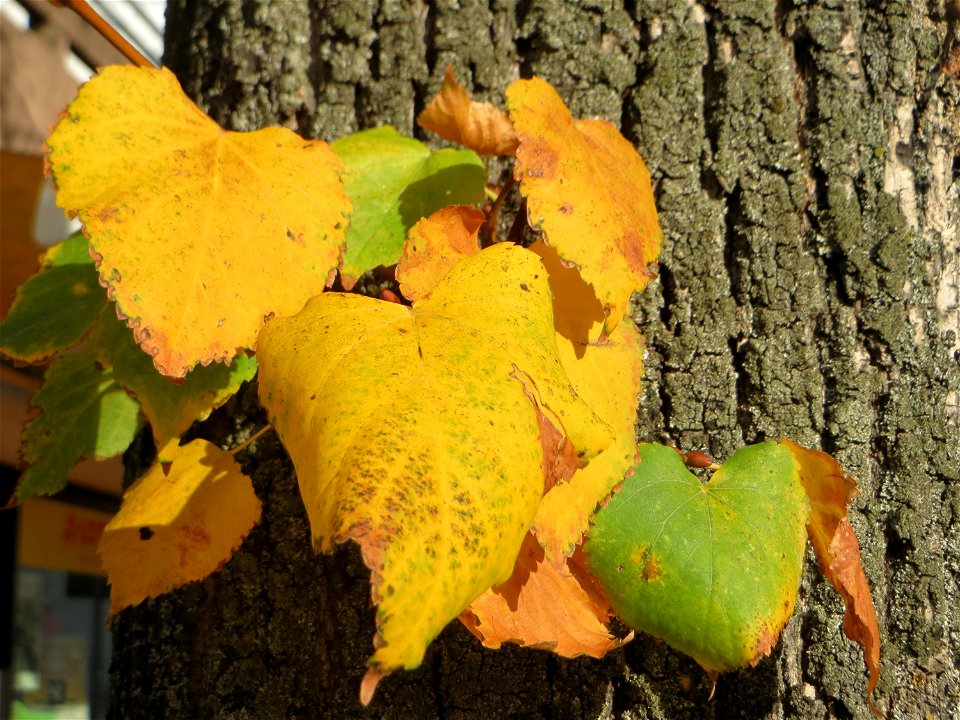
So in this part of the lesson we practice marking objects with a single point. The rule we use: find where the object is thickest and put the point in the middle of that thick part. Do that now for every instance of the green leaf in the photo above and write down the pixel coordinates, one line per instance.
(169, 407)
(711, 568)
(54, 308)
(394, 181)
(84, 413)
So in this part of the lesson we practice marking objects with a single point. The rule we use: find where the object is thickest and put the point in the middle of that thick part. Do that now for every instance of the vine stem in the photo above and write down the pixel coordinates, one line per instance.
(92, 19)
(488, 232)
(259, 433)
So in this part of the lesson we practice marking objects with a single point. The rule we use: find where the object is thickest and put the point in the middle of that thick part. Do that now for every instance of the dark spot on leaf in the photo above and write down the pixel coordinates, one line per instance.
(523, 286)
(146, 533)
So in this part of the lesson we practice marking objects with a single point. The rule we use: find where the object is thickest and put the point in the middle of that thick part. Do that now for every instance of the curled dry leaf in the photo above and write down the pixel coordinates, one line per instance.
(838, 552)
(177, 526)
(240, 225)
(588, 191)
(481, 127)
(543, 606)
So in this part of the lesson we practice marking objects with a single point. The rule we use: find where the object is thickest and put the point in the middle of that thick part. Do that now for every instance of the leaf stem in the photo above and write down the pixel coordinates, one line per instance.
(488, 232)
(92, 19)
(259, 433)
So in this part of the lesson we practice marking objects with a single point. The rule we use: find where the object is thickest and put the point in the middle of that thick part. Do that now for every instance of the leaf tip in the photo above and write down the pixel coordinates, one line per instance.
(368, 686)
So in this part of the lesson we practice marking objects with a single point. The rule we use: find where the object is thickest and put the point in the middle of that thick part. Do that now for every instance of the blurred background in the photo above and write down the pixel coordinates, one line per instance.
(54, 640)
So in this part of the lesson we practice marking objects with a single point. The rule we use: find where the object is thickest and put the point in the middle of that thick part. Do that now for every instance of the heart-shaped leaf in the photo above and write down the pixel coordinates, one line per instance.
(440, 488)
(711, 568)
(198, 233)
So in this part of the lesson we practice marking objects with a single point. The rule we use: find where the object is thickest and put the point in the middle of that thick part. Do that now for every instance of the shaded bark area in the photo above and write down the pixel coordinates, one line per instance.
(803, 159)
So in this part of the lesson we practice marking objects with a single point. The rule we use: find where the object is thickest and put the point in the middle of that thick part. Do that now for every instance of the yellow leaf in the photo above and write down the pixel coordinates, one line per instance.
(479, 126)
(606, 373)
(589, 191)
(198, 233)
(176, 527)
(434, 245)
(543, 606)
(414, 431)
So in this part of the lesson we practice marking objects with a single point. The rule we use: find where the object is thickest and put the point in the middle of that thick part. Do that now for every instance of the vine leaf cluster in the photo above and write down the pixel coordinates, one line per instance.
(471, 428)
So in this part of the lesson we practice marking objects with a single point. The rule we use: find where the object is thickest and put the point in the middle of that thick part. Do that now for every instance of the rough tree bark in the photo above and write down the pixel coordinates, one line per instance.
(804, 161)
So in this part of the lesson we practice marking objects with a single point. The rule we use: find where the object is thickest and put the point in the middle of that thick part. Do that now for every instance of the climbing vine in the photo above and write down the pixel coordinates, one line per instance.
(472, 428)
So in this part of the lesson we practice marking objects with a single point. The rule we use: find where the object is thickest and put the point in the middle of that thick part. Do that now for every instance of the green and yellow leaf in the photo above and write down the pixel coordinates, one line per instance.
(711, 568)
(394, 181)
(439, 487)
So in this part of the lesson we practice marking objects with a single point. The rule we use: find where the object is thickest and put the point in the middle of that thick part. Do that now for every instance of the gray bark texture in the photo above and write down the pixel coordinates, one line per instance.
(805, 168)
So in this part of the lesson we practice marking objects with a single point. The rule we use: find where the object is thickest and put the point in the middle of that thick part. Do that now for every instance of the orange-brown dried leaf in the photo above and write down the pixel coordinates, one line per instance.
(838, 552)
(482, 127)
(178, 525)
(434, 245)
(543, 606)
(198, 233)
(560, 459)
(589, 192)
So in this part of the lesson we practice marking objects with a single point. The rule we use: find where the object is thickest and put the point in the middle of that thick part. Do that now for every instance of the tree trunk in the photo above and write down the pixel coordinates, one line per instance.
(803, 156)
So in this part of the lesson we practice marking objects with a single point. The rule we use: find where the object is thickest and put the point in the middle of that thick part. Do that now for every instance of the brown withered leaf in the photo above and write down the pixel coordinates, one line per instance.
(838, 552)
(454, 116)
(545, 607)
